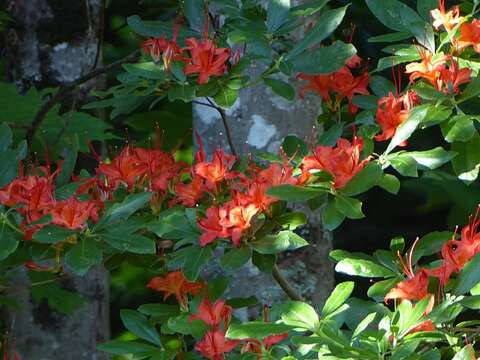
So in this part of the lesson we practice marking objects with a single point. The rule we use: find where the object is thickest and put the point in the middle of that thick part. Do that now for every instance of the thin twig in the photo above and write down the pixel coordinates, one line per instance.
(225, 125)
(285, 285)
(68, 88)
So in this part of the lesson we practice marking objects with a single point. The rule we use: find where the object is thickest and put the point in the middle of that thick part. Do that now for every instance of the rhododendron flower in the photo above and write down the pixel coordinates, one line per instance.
(161, 48)
(218, 169)
(175, 283)
(470, 35)
(236, 217)
(447, 19)
(211, 227)
(125, 168)
(255, 346)
(189, 194)
(207, 60)
(416, 285)
(214, 345)
(347, 85)
(73, 213)
(341, 82)
(213, 314)
(453, 76)
(427, 325)
(428, 68)
(341, 162)
(392, 111)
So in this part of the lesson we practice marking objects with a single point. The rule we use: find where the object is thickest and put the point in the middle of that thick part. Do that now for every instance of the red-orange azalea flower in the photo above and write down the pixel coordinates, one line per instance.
(392, 111)
(470, 35)
(341, 162)
(447, 19)
(73, 213)
(214, 345)
(207, 60)
(213, 314)
(175, 283)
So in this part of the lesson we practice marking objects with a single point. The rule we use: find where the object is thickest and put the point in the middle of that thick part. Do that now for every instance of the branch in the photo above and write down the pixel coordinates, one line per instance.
(68, 88)
(285, 285)
(225, 125)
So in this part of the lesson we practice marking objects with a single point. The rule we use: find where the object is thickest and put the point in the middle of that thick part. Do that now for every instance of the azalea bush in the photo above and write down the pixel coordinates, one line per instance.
(147, 205)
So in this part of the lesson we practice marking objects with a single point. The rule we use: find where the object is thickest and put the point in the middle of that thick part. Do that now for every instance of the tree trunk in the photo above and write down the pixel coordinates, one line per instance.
(51, 43)
(259, 121)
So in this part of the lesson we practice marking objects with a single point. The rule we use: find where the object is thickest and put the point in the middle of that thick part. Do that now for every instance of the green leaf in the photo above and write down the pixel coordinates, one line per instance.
(389, 183)
(431, 243)
(467, 353)
(256, 330)
(281, 88)
(329, 137)
(472, 90)
(397, 244)
(8, 242)
(226, 97)
(156, 28)
(294, 147)
(276, 243)
(417, 115)
(264, 263)
(139, 325)
(469, 276)
(238, 303)
(300, 314)
(392, 37)
(378, 290)
(294, 193)
(458, 128)
(390, 61)
(338, 297)
(184, 92)
(425, 6)
(394, 14)
(195, 13)
(8, 167)
(159, 312)
(147, 70)
(325, 25)
(405, 165)
(120, 347)
(68, 165)
(325, 59)
(467, 163)
(191, 259)
(363, 325)
(6, 137)
(331, 216)
(364, 268)
(181, 324)
(133, 243)
(235, 258)
(52, 234)
(367, 178)
(381, 86)
(82, 256)
(292, 220)
(350, 207)
(127, 207)
(277, 14)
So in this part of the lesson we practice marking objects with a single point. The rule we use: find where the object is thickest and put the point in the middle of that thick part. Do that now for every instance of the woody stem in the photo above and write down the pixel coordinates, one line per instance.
(225, 125)
(285, 285)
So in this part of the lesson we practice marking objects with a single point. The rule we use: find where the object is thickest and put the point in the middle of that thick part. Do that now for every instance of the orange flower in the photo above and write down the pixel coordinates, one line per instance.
(452, 77)
(217, 170)
(207, 60)
(159, 48)
(427, 69)
(211, 227)
(214, 345)
(341, 162)
(213, 314)
(236, 217)
(255, 346)
(73, 213)
(347, 85)
(175, 283)
(470, 35)
(189, 194)
(447, 19)
(125, 168)
(414, 288)
(392, 111)
(320, 84)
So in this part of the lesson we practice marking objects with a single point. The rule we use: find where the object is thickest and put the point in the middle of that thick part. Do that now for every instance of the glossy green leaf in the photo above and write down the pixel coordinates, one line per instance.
(324, 26)
(256, 330)
(350, 207)
(364, 268)
(469, 276)
(235, 258)
(281, 88)
(389, 183)
(367, 178)
(8, 241)
(467, 163)
(458, 128)
(133, 243)
(276, 243)
(295, 193)
(82, 256)
(338, 297)
(52, 234)
(331, 216)
(277, 14)
(300, 314)
(139, 325)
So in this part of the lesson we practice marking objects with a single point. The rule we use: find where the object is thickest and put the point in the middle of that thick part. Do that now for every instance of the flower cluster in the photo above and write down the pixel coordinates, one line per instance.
(216, 316)
(200, 57)
(33, 196)
(342, 83)
(455, 254)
